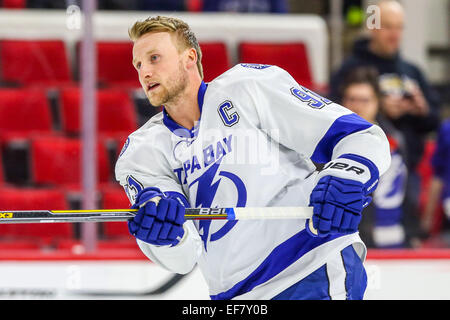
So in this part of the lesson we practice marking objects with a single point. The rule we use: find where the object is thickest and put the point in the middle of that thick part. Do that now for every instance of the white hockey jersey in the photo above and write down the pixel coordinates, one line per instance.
(254, 145)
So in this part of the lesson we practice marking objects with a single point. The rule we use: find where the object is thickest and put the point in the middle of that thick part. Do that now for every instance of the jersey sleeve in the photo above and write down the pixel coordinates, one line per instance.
(141, 165)
(311, 125)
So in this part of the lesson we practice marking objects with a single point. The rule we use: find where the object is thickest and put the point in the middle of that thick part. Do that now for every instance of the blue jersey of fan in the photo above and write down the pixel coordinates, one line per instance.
(440, 161)
(255, 145)
(388, 200)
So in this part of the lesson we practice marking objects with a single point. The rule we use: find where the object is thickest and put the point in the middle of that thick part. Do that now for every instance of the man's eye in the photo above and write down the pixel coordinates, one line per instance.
(154, 58)
(138, 65)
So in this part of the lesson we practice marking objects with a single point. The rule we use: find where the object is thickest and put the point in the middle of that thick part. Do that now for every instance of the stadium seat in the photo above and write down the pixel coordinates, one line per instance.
(215, 59)
(24, 112)
(114, 64)
(14, 244)
(115, 198)
(14, 4)
(194, 5)
(292, 57)
(116, 114)
(56, 161)
(38, 234)
(34, 62)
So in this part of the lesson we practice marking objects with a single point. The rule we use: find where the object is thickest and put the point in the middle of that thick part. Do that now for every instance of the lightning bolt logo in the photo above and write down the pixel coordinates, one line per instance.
(206, 188)
(206, 192)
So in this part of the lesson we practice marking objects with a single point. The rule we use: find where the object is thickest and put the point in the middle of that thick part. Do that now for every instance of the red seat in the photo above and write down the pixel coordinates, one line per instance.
(57, 161)
(215, 59)
(14, 4)
(24, 112)
(35, 62)
(115, 198)
(114, 64)
(116, 114)
(14, 243)
(292, 57)
(34, 199)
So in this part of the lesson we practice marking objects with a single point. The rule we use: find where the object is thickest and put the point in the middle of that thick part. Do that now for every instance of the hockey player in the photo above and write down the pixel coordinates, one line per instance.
(248, 138)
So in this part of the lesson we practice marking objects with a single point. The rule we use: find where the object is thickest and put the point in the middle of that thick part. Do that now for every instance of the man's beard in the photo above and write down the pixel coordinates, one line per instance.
(169, 95)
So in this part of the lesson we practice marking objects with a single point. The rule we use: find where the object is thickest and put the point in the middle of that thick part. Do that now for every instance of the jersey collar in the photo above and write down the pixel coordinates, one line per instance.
(180, 130)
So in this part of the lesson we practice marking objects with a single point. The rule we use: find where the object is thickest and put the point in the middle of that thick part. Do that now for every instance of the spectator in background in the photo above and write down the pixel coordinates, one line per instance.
(250, 6)
(408, 100)
(382, 221)
(439, 191)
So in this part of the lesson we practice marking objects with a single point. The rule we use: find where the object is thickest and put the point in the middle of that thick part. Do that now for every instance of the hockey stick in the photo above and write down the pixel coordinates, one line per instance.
(167, 285)
(105, 215)
(108, 215)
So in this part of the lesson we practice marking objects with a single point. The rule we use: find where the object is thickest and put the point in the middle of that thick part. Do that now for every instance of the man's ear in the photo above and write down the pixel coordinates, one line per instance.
(191, 58)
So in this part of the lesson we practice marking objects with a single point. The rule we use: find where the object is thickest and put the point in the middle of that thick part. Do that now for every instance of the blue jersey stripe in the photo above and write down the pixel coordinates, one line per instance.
(356, 278)
(279, 259)
(316, 286)
(341, 127)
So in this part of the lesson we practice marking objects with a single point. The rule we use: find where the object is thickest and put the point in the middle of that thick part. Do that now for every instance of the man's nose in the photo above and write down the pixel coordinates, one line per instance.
(146, 71)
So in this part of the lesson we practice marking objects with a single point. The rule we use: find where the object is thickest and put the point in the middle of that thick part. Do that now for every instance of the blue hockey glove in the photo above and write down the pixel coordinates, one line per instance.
(157, 223)
(341, 194)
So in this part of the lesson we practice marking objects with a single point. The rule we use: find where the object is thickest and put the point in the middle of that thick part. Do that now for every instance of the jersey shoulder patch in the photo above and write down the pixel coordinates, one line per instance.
(125, 146)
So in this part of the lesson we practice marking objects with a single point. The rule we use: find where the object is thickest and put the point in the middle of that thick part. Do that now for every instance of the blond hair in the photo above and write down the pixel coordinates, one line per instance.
(186, 38)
